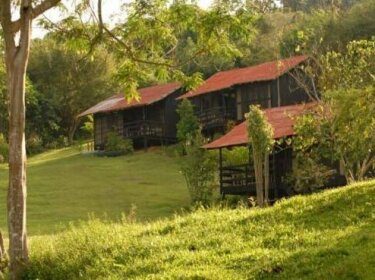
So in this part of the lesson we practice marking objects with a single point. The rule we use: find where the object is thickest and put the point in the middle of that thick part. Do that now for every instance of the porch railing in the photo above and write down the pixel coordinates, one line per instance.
(215, 116)
(144, 128)
(240, 179)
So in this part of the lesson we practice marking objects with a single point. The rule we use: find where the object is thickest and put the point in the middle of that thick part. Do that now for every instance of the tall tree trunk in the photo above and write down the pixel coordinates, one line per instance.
(16, 62)
(18, 251)
(258, 168)
(72, 131)
(266, 177)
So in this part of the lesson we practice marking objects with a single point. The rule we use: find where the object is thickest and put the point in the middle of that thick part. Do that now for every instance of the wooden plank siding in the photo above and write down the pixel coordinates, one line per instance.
(215, 109)
(240, 179)
(155, 123)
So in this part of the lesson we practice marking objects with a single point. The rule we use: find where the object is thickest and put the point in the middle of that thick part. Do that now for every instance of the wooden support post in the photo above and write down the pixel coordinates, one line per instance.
(221, 171)
(278, 92)
(275, 187)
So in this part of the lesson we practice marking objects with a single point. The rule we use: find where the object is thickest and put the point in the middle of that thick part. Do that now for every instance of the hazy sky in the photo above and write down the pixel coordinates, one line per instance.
(110, 8)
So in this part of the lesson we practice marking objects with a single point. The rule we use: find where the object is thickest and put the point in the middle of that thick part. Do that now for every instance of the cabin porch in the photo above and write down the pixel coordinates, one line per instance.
(240, 179)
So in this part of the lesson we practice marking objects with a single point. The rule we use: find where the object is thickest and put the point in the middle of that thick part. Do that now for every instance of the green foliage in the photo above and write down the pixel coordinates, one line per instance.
(88, 127)
(354, 68)
(188, 124)
(311, 5)
(325, 29)
(329, 234)
(311, 34)
(307, 175)
(34, 145)
(236, 156)
(342, 127)
(160, 41)
(4, 149)
(68, 83)
(199, 168)
(260, 131)
(261, 139)
(116, 143)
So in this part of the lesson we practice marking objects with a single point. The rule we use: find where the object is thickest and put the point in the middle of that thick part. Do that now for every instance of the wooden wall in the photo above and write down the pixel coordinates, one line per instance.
(163, 112)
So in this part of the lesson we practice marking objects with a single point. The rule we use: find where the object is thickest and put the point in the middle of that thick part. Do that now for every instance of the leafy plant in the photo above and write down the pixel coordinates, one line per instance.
(34, 144)
(261, 139)
(116, 143)
(342, 127)
(198, 167)
(307, 175)
(188, 124)
(236, 156)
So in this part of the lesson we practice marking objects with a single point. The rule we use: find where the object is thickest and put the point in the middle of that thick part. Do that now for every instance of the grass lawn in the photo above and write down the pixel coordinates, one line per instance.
(65, 186)
(330, 235)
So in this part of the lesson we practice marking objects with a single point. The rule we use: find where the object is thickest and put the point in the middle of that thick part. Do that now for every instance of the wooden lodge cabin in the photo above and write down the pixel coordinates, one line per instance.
(226, 95)
(151, 119)
(240, 179)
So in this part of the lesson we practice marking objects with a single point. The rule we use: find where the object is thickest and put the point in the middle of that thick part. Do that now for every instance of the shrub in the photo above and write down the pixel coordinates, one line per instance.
(4, 149)
(34, 145)
(199, 168)
(188, 123)
(236, 156)
(62, 141)
(116, 143)
(307, 175)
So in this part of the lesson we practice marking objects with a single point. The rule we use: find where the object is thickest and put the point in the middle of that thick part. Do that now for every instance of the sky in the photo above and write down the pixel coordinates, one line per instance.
(110, 9)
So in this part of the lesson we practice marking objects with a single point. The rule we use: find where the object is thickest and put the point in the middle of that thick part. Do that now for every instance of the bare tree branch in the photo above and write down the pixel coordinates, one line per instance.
(37, 11)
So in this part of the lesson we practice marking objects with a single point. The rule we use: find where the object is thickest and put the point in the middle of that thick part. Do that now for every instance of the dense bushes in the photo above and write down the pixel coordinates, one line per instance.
(197, 165)
(199, 169)
(237, 156)
(116, 143)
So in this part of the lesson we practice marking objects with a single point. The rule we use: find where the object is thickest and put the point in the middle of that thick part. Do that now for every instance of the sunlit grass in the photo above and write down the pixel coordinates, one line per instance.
(330, 235)
(66, 186)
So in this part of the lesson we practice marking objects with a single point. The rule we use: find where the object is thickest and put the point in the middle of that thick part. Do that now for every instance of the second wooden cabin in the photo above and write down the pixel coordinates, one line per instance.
(226, 95)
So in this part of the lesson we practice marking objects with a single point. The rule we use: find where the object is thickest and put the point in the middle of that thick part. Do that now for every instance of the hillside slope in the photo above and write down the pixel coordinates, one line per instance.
(330, 235)
(65, 186)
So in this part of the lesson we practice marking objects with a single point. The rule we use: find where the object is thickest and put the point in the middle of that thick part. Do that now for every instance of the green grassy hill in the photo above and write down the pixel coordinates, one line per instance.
(65, 186)
(330, 235)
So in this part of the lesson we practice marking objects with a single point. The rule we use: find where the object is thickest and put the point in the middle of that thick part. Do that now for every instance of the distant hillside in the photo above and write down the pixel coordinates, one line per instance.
(330, 235)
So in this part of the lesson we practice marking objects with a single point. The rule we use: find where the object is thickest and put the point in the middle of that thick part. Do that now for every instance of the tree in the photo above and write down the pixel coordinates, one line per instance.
(309, 5)
(198, 167)
(188, 124)
(342, 126)
(149, 35)
(325, 30)
(197, 164)
(74, 81)
(261, 139)
(16, 58)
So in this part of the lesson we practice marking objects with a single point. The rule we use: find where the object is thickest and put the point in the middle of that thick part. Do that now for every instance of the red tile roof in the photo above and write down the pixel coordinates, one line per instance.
(147, 95)
(262, 72)
(281, 119)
